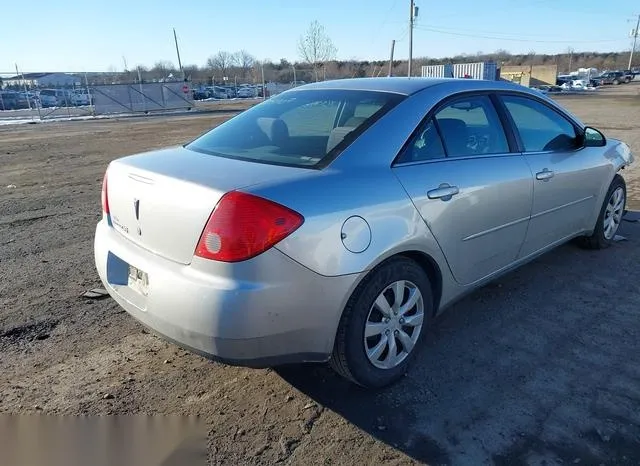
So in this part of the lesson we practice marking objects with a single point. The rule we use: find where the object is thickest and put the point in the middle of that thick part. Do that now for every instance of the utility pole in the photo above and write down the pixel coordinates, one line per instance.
(175, 38)
(412, 7)
(393, 45)
(634, 33)
(264, 91)
(570, 58)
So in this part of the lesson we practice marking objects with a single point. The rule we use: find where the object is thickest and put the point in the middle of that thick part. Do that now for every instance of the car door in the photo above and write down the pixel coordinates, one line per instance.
(469, 186)
(567, 177)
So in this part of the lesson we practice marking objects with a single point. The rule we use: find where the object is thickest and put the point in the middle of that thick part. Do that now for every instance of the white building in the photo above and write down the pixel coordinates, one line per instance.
(41, 80)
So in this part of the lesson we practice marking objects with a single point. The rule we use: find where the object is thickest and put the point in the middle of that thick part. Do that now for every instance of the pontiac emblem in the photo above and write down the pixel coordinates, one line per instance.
(136, 207)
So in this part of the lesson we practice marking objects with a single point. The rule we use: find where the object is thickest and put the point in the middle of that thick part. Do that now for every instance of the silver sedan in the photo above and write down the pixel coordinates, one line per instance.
(334, 221)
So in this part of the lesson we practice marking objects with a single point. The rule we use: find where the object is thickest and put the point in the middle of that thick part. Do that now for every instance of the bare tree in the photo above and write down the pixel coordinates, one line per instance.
(315, 47)
(244, 60)
(161, 69)
(221, 61)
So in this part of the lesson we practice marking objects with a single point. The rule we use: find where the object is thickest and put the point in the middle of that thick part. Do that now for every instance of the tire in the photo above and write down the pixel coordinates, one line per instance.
(616, 82)
(349, 356)
(601, 239)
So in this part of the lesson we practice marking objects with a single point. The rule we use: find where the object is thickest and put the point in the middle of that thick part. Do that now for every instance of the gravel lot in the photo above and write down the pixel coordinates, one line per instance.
(541, 367)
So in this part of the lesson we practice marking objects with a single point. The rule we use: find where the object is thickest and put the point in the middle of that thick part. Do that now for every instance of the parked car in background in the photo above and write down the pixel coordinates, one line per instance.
(55, 97)
(24, 100)
(80, 97)
(247, 92)
(628, 75)
(610, 77)
(219, 92)
(47, 99)
(200, 94)
(8, 100)
(436, 188)
(13, 100)
(546, 89)
(231, 91)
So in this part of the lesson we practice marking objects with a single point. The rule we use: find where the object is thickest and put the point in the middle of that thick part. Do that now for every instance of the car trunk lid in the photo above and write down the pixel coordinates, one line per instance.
(162, 200)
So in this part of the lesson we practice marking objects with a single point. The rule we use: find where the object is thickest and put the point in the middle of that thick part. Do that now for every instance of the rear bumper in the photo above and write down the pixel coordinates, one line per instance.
(263, 312)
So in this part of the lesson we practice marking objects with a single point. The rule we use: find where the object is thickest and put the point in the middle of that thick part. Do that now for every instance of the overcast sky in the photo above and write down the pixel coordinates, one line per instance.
(87, 35)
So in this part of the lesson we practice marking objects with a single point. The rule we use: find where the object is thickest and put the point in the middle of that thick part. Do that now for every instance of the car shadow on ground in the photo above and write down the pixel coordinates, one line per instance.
(541, 365)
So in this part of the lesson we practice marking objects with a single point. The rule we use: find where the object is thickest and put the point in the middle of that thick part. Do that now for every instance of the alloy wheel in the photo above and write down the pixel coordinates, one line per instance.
(613, 213)
(394, 324)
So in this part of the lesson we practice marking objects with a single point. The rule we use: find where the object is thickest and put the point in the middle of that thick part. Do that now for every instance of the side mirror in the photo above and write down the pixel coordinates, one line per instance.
(593, 138)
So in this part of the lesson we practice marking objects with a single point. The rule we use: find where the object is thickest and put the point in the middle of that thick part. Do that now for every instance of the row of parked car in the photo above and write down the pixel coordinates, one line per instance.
(615, 77)
(45, 98)
(243, 91)
(606, 78)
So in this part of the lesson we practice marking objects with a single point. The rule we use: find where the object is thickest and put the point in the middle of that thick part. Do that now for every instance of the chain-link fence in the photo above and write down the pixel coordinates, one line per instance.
(29, 98)
(145, 98)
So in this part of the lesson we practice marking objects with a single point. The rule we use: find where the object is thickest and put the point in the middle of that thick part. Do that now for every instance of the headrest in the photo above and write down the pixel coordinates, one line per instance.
(337, 135)
(275, 129)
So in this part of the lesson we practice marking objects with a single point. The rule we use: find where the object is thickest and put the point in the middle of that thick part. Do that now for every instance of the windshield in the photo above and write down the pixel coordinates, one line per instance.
(47, 92)
(305, 128)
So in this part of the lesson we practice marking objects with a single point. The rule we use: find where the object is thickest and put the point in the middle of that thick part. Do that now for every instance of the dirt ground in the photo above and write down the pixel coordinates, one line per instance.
(541, 367)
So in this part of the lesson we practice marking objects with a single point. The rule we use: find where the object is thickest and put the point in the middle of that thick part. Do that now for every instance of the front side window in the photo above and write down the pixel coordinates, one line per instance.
(470, 126)
(541, 129)
(301, 128)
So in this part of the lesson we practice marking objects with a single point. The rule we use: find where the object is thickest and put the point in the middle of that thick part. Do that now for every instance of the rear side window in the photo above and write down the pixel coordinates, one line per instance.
(470, 126)
(301, 128)
(426, 145)
(541, 129)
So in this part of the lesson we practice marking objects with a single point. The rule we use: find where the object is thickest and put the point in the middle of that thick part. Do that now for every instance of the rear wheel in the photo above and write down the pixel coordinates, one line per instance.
(383, 323)
(610, 216)
(616, 82)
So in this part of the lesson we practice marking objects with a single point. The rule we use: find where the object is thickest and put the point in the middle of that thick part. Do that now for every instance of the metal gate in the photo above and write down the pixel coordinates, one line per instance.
(145, 98)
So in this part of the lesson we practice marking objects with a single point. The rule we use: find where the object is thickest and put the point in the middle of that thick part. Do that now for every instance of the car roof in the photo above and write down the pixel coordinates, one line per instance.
(403, 85)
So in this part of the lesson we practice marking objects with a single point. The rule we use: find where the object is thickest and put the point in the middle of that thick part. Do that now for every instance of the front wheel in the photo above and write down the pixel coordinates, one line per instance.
(610, 216)
(383, 323)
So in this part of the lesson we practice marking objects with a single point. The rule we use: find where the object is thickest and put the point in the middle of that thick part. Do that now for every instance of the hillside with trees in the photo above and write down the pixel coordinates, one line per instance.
(242, 67)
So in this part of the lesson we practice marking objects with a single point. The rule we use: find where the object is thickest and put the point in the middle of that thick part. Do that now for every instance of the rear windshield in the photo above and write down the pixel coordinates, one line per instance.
(305, 128)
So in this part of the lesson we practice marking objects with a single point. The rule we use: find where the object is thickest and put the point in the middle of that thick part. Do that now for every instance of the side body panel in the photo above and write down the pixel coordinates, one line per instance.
(481, 229)
(562, 205)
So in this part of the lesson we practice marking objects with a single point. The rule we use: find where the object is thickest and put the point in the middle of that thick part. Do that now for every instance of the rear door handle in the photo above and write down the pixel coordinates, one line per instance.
(544, 175)
(444, 192)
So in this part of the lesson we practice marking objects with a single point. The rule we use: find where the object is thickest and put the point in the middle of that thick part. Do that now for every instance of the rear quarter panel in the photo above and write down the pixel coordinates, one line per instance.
(329, 199)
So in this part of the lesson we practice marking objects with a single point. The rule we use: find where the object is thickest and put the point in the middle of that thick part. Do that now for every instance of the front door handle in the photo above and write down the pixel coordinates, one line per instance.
(444, 192)
(544, 175)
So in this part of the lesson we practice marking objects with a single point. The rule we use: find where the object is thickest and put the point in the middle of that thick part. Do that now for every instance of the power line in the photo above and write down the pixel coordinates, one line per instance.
(386, 16)
(478, 31)
(376, 31)
(514, 39)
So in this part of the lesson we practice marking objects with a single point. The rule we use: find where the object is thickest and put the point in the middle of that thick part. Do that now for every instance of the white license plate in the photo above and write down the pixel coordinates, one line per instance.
(138, 280)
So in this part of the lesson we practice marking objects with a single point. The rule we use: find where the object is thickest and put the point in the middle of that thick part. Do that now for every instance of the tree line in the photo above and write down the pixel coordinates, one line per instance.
(317, 61)
(249, 70)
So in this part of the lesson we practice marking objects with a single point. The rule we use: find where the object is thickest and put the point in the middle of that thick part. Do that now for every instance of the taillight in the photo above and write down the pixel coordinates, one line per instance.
(105, 198)
(243, 225)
